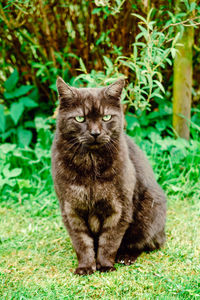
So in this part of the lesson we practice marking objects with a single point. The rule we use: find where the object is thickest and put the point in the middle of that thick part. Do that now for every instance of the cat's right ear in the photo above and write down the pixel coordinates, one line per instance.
(115, 89)
(66, 93)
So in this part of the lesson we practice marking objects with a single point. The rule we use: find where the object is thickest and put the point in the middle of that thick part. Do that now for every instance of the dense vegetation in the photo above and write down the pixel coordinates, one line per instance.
(91, 43)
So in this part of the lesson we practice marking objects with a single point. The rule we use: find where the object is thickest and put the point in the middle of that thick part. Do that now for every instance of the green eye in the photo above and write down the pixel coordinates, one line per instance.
(80, 119)
(106, 118)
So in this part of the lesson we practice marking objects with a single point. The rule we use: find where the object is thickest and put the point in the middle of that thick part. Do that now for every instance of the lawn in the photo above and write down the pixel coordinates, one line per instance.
(37, 259)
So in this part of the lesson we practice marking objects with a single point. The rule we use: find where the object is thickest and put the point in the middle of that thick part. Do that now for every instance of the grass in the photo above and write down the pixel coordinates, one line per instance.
(37, 260)
(36, 255)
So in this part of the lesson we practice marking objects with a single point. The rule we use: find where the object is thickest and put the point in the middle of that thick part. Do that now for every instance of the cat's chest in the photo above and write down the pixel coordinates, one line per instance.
(89, 196)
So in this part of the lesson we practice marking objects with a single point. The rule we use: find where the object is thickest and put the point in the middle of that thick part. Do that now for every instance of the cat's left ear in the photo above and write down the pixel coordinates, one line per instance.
(115, 89)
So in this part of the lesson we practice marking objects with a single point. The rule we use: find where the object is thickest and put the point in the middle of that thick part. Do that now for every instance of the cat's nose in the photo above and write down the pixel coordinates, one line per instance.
(95, 133)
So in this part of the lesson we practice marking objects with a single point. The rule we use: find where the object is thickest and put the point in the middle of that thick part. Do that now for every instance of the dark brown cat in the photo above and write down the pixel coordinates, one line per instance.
(111, 204)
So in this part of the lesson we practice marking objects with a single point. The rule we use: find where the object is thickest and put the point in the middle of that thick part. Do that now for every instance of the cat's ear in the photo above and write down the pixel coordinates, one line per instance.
(114, 90)
(66, 93)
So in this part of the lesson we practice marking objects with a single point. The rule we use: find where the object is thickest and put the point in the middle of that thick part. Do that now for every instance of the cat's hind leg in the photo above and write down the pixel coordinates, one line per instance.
(157, 242)
(135, 242)
(128, 257)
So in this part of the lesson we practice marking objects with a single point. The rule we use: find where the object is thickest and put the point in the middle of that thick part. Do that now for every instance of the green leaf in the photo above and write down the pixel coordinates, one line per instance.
(149, 79)
(132, 122)
(8, 133)
(13, 173)
(143, 45)
(2, 119)
(129, 64)
(28, 102)
(175, 188)
(11, 82)
(53, 87)
(6, 148)
(16, 110)
(29, 124)
(22, 90)
(175, 40)
(96, 10)
(108, 62)
(4, 181)
(168, 61)
(155, 94)
(24, 183)
(139, 35)
(41, 124)
(34, 95)
(193, 6)
(37, 65)
(159, 84)
(135, 51)
(24, 137)
(161, 125)
(145, 32)
(83, 68)
(140, 17)
(173, 52)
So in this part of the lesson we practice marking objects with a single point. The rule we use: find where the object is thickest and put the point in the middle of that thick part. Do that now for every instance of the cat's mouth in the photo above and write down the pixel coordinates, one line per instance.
(94, 145)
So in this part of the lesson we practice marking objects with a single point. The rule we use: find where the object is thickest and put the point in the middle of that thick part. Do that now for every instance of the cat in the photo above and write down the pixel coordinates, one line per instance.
(111, 204)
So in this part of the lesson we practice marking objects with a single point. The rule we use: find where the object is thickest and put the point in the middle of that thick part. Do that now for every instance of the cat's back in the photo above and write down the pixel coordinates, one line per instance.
(144, 172)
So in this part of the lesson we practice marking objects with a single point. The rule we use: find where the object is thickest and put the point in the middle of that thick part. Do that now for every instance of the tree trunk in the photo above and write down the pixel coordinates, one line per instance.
(182, 84)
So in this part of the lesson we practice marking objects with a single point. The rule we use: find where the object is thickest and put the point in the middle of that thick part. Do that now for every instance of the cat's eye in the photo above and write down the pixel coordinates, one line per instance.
(80, 119)
(106, 118)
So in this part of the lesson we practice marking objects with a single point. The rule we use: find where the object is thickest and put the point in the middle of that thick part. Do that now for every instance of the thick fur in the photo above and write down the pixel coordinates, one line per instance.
(111, 204)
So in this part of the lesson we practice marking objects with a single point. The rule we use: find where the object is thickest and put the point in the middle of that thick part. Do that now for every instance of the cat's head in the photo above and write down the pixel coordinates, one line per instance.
(90, 118)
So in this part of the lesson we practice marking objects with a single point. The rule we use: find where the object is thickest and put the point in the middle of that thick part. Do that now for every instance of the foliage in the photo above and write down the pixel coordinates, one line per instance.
(25, 172)
(42, 39)
(150, 54)
(29, 90)
(15, 117)
(141, 125)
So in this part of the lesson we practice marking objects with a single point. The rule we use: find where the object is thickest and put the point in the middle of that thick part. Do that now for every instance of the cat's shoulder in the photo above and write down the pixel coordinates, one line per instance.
(132, 146)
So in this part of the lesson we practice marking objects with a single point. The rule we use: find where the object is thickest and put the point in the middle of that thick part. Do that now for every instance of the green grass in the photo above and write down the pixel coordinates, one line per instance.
(37, 260)
(36, 255)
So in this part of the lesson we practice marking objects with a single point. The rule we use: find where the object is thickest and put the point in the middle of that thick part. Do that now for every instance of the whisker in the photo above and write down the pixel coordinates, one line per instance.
(71, 146)
(75, 152)
(110, 147)
(114, 144)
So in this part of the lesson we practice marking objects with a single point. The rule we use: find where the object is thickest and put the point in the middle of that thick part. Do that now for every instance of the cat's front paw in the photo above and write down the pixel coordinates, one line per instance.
(105, 268)
(84, 271)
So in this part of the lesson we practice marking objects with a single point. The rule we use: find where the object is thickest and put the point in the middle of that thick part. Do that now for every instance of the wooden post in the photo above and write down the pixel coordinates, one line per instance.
(182, 84)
